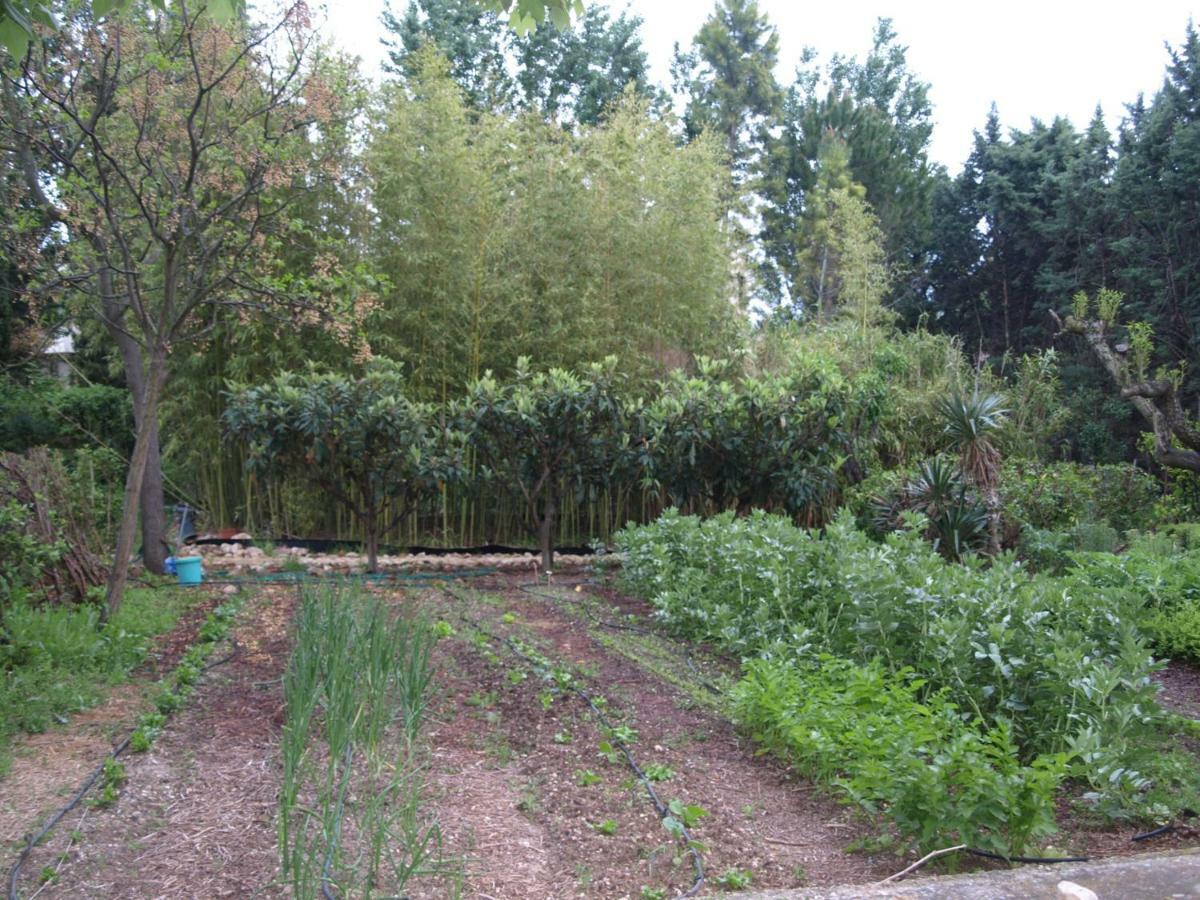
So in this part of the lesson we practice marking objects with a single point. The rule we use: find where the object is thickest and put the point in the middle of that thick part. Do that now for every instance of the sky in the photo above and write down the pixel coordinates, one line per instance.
(1032, 59)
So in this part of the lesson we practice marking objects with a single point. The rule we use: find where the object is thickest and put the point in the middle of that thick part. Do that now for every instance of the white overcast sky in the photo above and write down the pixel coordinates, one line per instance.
(1033, 59)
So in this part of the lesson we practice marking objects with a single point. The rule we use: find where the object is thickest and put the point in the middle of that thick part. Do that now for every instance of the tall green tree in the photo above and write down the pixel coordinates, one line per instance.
(163, 170)
(841, 263)
(545, 434)
(571, 74)
(472, 38)
(367, 445)
(503, 237)
(577, 73)
(1157, 195)
(728, 77)
(880, 111)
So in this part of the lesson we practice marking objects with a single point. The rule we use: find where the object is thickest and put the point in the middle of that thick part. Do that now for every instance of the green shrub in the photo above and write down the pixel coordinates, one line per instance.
(868, 732)
(50, 414)
(56, 659)
(1054, 663)
(23, 558)
(1176, 632)
(1057, 496)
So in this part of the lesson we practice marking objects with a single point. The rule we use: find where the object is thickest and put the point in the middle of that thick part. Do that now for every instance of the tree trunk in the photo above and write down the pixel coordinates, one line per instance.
(1157, 400)
(153, 507)
(154, 523)
(546, 532)
(824, 303)
(992, 503)
(371, 536)
(155, 376)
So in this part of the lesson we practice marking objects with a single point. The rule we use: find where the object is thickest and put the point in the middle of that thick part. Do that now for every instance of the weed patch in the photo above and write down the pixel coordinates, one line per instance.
(57, 659)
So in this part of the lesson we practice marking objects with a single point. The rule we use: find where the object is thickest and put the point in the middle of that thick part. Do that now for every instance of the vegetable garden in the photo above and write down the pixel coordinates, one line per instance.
(559, 536)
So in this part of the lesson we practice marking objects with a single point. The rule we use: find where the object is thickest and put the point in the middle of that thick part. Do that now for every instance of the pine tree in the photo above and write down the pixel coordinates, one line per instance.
(471, 37)
(729, 77)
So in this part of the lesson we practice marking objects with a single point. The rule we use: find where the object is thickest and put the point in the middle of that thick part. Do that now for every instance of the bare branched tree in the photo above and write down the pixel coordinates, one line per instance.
(1176, 439)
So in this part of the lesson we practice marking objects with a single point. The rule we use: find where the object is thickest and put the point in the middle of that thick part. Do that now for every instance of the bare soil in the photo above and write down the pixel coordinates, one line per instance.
(528, 805)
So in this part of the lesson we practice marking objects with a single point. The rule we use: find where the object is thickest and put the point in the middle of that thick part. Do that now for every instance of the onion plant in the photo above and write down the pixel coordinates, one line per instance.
(355, 694)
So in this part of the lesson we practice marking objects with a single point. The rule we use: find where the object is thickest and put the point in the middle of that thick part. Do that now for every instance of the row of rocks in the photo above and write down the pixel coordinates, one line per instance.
(257, 561)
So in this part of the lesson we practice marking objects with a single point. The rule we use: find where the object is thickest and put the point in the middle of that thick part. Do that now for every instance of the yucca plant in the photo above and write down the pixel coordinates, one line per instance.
(936, 486)
(959, 528)
(957, 521)
(971, 423)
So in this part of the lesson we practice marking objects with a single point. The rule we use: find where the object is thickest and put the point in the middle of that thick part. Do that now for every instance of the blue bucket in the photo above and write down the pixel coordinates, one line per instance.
(189, 570)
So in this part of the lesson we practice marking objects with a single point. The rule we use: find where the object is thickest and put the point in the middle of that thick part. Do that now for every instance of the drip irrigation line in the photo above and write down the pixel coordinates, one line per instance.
(1182, 830)
(298, 578)
(662, 809)
(32, 840)
(617, 626)
(1166, 829)
(1032, 860)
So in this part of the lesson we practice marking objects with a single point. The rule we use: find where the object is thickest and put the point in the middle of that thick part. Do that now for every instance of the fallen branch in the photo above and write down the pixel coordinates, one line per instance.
(920, 862)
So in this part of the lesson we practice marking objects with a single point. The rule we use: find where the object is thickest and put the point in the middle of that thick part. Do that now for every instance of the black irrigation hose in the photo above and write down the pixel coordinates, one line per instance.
(1166, 829)
(986, 854)
(617, 626)
(659, 806)
(32, 840)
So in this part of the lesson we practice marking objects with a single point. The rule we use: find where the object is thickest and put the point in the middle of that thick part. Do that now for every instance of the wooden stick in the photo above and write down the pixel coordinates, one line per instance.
(787, 843)
(924, 859)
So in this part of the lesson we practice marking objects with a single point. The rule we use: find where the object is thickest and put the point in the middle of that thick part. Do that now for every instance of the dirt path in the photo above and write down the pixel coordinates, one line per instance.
(196, 816)
(527, 792)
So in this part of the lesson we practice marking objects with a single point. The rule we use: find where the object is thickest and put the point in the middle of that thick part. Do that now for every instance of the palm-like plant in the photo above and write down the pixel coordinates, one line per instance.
(971, 423)
(957, 522)
(936, 486)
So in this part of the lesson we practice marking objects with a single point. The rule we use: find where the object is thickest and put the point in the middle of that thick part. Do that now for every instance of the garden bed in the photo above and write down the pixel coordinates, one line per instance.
(527, 802)
(48, 765)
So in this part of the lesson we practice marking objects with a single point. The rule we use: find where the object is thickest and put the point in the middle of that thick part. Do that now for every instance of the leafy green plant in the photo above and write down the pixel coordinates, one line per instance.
(1009, 671)
(544, 434)
(658, 772)
(734, 880)
(688, 813)
(587, 778)
(363, 441)
(1176, 632)
(607, 827)
(868, 734)
(56, 659)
